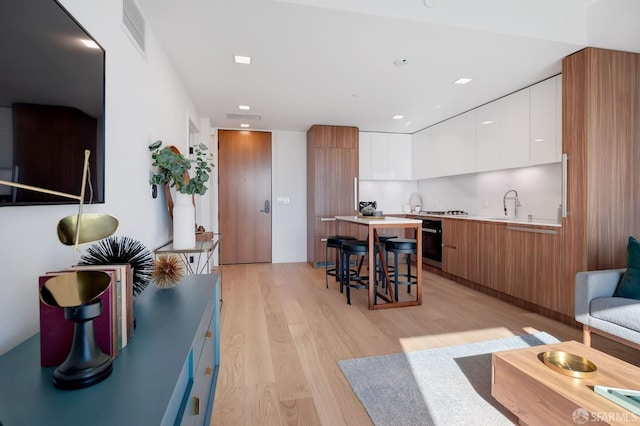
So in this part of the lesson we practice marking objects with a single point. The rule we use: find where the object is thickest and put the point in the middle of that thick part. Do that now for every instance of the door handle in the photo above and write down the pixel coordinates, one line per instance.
(267, 207)
(355, 193)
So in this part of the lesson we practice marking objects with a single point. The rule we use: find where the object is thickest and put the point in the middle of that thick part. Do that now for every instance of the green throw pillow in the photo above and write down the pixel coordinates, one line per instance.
(629, 285)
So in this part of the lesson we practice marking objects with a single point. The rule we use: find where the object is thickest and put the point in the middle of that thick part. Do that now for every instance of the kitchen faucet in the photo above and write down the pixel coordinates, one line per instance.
(516, 203)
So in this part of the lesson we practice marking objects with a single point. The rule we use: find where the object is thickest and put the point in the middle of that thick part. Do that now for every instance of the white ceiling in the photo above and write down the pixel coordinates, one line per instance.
(332, 61)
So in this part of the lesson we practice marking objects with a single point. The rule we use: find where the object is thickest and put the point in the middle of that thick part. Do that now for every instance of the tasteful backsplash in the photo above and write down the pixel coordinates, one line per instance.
(539, 192)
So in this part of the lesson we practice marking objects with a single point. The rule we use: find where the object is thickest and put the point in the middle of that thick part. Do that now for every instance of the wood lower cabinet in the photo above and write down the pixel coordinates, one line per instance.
(332, 183)
(459, 240)
(522, 261)
(532, 265)
(487, 267)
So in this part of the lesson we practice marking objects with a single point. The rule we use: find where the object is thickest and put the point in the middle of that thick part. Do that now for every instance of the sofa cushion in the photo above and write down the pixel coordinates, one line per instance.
(617, 310)
(629, 285)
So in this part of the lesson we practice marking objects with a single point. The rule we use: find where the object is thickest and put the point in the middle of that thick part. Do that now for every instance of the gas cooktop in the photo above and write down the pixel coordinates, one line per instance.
(444, 213)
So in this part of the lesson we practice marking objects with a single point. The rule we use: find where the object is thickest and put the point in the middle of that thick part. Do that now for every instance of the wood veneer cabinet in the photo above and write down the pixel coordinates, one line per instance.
(459, 239)
(488, 262)
(601, 138)
(332, 182)
(518, 260)
(532, 269)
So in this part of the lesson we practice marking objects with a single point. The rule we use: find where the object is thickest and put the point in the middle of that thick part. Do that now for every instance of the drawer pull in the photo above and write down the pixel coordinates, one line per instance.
(209, 334)
(209, 371)
(196, 405)
(533, 230)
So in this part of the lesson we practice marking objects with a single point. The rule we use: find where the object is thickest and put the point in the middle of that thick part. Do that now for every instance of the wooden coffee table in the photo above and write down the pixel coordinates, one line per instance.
(539, 395)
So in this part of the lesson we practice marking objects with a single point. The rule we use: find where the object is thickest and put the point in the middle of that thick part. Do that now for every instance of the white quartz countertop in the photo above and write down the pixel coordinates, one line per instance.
(519, 221)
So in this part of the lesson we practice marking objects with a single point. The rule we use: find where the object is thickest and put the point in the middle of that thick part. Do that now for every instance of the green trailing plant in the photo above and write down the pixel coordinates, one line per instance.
(174, 168)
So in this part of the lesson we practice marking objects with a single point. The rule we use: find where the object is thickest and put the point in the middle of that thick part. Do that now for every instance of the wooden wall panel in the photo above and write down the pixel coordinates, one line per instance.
(574, 118)
(600, 136)
(612, 93)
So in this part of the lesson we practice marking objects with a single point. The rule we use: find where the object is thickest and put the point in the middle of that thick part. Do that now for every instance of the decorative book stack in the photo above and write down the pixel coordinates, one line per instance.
(113, 328)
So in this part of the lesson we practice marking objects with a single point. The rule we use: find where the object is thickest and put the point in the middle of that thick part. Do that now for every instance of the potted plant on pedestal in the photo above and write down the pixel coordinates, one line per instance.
(188, 177)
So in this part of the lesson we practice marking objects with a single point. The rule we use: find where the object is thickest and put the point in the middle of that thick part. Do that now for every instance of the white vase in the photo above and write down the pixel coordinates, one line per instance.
(184, 222)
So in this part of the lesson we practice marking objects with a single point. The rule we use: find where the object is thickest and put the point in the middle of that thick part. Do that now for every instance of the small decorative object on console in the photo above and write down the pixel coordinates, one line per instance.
(123, 250)
(77, 293)
(168, 270)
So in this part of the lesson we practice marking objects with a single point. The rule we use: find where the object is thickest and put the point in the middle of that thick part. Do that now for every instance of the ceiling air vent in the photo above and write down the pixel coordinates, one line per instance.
(244, 117)
(134, 23)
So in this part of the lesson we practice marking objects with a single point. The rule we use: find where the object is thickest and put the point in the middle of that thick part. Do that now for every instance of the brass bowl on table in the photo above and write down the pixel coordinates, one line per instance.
(569, 364)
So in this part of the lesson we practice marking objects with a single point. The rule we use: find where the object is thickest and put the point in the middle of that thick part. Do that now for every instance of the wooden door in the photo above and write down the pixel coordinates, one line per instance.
(245, 196)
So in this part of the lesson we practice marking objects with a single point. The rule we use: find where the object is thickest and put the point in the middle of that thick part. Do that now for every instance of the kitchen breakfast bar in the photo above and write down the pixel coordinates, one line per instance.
(374, 224)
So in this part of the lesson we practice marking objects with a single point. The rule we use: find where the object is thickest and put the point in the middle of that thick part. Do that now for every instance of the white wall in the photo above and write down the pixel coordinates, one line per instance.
(539, 191)
(289, 223)
(145, 101)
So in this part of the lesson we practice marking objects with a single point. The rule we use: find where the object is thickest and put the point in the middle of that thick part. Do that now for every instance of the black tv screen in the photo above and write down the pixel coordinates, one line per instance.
(51, 104)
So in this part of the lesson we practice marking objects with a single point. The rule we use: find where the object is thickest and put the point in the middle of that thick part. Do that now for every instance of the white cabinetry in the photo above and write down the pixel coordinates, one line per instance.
(458, 145)
(445, 149)
(421, 155)
(502, 133)
(546, 120)
(519, 130)
(384, 156)
(364, 155)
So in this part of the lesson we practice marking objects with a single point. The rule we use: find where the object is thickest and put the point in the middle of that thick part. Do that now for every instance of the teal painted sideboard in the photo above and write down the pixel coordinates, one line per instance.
(166, 375)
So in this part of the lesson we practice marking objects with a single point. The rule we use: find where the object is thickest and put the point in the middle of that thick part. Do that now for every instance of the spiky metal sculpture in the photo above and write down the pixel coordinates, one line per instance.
(168, 270)
(122, 250)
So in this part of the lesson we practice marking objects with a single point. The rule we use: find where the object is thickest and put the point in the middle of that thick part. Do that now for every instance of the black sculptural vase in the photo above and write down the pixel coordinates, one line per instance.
(77, 293)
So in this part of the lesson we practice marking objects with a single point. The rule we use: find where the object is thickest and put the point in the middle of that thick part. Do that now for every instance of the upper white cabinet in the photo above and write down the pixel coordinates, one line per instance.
(546, 121)
(459, 144)
(502, 133)
(385, 156)
(445, 149)
(519, 130)
(422, 154)
(364, 155)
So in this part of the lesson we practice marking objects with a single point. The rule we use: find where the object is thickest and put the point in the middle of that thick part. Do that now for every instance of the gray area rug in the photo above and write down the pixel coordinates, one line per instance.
(443, 386)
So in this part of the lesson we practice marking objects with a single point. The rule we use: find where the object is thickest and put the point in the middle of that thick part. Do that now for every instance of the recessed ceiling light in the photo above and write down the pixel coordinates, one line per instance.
(244, 107)
(90, 44)
(244, 125)
(239, 59)
(398, 117)
(487, 122)
(463, 80)
(538, 140)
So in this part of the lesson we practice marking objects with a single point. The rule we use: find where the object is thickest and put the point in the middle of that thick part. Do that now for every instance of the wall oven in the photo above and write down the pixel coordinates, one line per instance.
(432, 242)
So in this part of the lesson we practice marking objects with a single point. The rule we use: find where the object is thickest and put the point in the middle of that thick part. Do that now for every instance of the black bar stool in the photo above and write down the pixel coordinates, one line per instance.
(399, 246)
(334, 242)
(353, 248)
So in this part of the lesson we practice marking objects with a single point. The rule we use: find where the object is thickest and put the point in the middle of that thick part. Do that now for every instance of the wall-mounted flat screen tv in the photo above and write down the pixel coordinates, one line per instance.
(51, 104)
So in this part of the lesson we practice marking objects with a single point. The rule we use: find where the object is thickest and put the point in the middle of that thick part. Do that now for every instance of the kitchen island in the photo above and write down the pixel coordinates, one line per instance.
(373, 224)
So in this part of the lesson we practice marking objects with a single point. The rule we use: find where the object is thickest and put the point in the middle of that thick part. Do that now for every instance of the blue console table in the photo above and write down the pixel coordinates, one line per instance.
(166, 374)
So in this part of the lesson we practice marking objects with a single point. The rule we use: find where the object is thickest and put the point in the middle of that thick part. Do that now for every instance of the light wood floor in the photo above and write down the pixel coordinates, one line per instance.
(283, 333)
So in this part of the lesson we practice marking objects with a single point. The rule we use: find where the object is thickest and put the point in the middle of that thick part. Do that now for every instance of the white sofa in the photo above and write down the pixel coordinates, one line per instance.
(616, 318)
